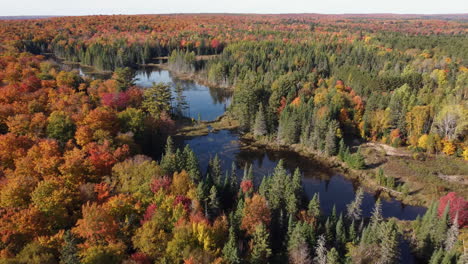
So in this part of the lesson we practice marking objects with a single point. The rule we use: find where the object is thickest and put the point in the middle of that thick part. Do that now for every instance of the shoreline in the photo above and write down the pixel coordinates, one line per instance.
(366, 179)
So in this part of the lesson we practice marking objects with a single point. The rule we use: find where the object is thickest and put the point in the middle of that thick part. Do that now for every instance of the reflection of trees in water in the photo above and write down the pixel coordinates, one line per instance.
(265, 161)
(220, 95)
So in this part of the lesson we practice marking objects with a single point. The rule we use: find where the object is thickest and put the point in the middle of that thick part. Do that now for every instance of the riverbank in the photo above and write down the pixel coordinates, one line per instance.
(194, 76)
(366, 178)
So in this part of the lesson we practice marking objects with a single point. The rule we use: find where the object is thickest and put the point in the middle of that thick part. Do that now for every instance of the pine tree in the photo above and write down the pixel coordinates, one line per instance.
(389, 245)
(329, 230)
(230, 250)
(452, 235)
(352, 232)
(437, 256)
(321, 251)
(191, 164)
(330, 139)
(168, 161)
(441, 228)
(340, 237)
(261, 251)
(342, 150)
(215, 171)
(69, 252)
(260, 128)
(157, 99)
(298, 250)
(333, 257)
(354, 208)
(297, 183)
(214, 202)
(377, 213)
(314, 206)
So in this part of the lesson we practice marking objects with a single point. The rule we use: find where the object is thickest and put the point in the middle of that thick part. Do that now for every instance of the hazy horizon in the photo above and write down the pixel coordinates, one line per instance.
(136, 7)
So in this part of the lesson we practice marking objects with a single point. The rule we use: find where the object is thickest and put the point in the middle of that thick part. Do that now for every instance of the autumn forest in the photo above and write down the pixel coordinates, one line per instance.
(96, 167)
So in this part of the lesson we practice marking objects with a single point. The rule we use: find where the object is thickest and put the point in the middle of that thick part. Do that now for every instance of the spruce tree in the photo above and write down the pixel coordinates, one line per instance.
(333, 257)
(214, 204)
(261, 250)
(330, 139)
(260, 127)
(452, 234)
(69, 252)
(230, 250)
(389, 245)
(354, 211)
(377, 213)
(191, 164)
(321, 251)
(314, 206)
(298, 249)
(340, 237)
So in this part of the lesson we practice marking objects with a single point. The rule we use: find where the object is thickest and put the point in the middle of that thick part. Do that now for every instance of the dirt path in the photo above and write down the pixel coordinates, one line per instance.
(389, 150)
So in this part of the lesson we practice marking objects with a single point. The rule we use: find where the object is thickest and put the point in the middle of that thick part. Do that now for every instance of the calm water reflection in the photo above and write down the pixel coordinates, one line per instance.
(334, 189)
(208, 103)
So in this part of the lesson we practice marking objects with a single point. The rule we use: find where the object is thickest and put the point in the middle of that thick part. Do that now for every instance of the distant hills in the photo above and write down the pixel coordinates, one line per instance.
(23, 17)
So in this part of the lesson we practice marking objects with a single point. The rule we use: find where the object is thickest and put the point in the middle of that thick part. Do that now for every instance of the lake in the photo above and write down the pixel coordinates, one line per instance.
(208, 103)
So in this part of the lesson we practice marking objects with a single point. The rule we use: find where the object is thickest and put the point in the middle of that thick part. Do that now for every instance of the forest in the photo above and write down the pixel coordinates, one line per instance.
(78, 185)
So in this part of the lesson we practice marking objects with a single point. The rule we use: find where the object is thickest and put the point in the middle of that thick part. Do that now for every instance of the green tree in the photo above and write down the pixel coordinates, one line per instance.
(157, 99)
(333, 257)
(261, 250)
(230, 250)
(330, 138)
(124, 78)
(132, 120)
(60, 126)
(354, 210)
(69, 250)
(260, 127)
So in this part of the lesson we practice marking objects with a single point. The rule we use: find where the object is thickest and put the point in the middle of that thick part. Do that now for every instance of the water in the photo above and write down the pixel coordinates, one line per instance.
(334, 189)
(204, 102)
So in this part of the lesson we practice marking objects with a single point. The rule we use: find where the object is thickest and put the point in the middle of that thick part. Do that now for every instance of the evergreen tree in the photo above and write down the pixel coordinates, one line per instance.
(191, 164)
(69, 252)
(124, 78)
(330, 138)
(341, 150)
(354, 208)
(214, 202)
(352, 232)
(314, 206)
(215, 171)
(157, 99)
(321, 251)
(168, 161)
(230, 250)
(260, 127)
(333, 257)
(377, 213)
(298, 249)
(261, 250)
(437, 256)
(452, 234)
(389, 246)
(340, 237)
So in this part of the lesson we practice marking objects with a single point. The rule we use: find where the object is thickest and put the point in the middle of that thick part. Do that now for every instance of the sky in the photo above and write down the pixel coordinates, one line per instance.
(95, 7)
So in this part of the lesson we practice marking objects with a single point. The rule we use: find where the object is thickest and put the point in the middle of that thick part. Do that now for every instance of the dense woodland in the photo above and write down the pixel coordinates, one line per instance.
(75, 186)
